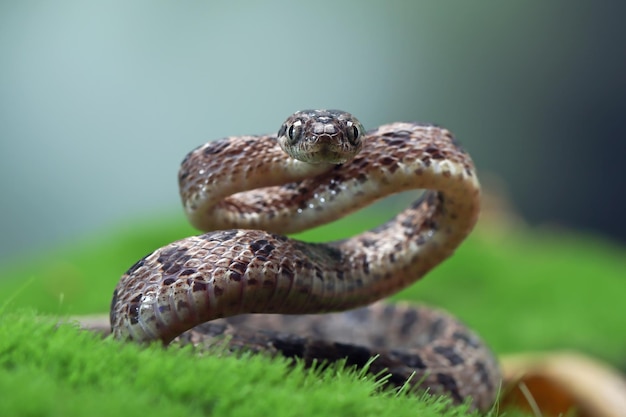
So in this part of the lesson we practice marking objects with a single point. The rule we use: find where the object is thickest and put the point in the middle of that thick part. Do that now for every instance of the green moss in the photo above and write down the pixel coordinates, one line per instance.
(527, 291)
(46, 369)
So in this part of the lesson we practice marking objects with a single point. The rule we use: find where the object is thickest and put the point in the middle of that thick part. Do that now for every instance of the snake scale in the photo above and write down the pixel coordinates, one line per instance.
(248, 191)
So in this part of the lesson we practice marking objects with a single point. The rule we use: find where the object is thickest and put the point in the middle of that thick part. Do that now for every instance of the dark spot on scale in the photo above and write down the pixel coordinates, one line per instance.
(367, 243)
(465, 338)
(387, 160)
(218, 290)
(234, 276)
(173, 268)
(182, 304)
(430, 224)
(481, 369)
(408, 223)
(219, 236)
(410, 359)
(252, 281)
(426, 160)
(436, 327)
(319, 273)
(136, 265)
(354, 355)
(186, 272)
(450, 386)
(137, 298)
(389, 311)
(399, 140)
(216, 147)
(262, 247)
(409, 318)
(390, 162)
(286, 272)
(435, 153)
(182, 175)
(449, 353)
(392, 137)
(172, 257)
(238, 267)
(332, 252)
(392, 257)
(169, 281)
(280, 238)
(199, 286)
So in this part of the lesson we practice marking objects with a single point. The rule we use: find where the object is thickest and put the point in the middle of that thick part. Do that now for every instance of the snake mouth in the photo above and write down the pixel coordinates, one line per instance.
(325, 149)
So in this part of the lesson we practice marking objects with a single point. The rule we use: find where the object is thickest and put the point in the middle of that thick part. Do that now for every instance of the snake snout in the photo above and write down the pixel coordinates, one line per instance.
(330, 149)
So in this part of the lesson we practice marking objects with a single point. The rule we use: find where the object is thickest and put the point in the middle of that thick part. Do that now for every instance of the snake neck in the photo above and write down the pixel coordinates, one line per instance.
(230, 183)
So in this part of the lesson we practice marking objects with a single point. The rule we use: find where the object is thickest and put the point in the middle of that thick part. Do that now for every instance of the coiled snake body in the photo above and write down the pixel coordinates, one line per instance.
(246, 189)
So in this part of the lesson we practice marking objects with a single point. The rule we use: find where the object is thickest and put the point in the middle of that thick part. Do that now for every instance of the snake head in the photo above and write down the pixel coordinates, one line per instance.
(321, 136)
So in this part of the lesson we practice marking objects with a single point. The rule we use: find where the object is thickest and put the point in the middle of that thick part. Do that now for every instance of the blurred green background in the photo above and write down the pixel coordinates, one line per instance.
(99, 101)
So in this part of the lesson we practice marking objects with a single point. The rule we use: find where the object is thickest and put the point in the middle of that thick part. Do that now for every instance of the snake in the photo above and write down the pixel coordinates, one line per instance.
(245, 281)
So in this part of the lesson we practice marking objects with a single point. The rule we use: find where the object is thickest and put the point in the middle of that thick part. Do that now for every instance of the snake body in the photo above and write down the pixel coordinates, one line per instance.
(248, 192)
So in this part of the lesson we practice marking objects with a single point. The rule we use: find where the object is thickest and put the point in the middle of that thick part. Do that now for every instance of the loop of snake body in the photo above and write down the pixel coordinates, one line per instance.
(248, 191)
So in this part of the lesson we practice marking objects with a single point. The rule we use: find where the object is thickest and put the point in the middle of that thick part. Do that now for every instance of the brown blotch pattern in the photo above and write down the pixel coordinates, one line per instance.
(241, 268)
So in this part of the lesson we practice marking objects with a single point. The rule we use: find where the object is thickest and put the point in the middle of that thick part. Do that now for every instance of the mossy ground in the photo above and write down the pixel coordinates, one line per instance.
(521, 290)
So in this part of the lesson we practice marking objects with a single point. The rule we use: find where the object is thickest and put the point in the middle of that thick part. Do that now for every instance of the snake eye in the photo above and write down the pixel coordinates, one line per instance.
(353, 134)
(295, 131)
